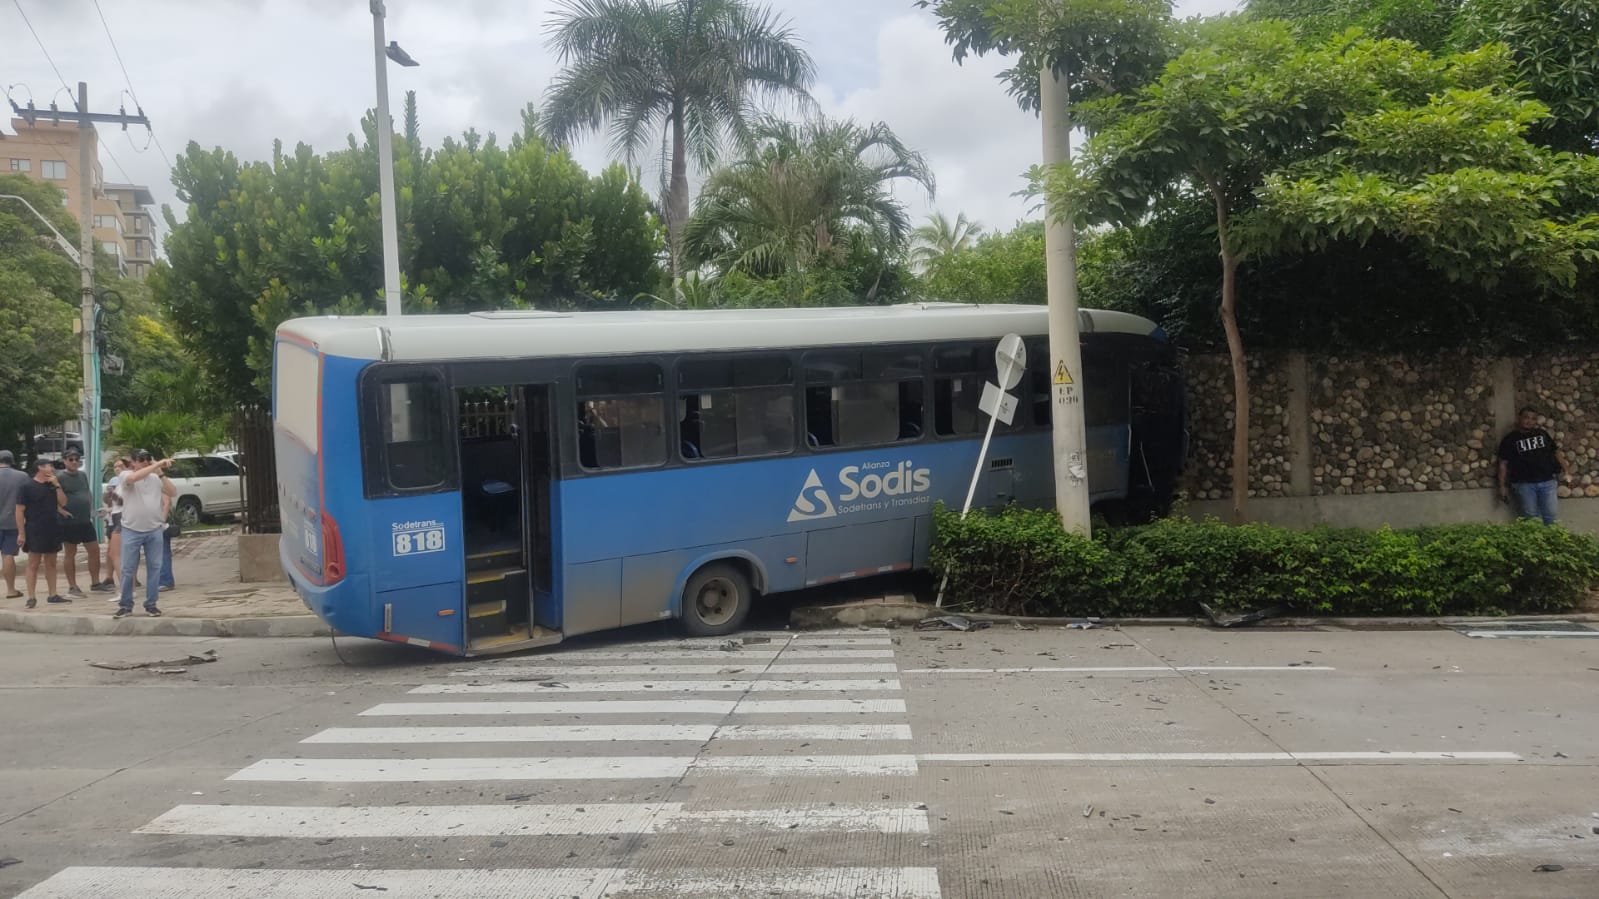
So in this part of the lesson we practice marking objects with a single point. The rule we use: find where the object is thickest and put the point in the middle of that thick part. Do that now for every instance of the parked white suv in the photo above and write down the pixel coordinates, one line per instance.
(208, 486)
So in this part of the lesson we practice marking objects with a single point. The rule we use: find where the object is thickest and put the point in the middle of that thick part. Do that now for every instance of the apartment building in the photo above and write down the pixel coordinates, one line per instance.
(48, 151)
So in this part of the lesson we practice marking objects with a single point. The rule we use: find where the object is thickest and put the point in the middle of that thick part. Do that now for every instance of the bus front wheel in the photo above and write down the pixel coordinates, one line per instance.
(716, 600)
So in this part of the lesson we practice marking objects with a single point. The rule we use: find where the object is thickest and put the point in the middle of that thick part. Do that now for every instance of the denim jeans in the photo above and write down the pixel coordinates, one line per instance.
(1536, 500)
(151, 542)
(166, 561)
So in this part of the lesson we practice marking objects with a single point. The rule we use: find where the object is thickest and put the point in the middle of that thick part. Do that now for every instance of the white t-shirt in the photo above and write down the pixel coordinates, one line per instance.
(141, 503)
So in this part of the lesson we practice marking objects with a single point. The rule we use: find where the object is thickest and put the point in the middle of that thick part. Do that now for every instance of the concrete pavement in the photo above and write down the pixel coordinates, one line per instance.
(999, 763)
(208, 601)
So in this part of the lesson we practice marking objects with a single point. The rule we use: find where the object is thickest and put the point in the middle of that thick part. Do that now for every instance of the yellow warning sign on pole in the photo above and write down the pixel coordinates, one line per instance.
(1062, 376)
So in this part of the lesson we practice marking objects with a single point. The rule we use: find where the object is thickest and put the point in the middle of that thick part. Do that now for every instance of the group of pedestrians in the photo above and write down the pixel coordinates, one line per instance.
(54, 511)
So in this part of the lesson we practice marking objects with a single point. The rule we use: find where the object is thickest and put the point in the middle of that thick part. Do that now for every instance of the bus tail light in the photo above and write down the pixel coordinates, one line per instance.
(332, 551)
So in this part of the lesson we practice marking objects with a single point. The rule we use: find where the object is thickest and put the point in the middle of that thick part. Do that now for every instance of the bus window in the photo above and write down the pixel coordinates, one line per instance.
(298, 384)
(959, 375)
(735, 407)
(416, 453)
(865, 399)
(1105, 399)
(1038, 384)
(620, 420)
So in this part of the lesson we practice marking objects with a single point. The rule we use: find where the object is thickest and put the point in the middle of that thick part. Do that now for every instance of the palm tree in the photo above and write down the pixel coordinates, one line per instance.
(940, 238)
(797, 190)
(695, 67)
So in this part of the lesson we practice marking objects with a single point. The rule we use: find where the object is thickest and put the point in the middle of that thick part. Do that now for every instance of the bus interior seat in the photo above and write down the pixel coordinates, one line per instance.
(690, 451)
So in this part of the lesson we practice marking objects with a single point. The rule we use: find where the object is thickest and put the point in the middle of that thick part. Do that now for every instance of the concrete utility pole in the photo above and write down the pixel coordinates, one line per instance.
(90, 405)
(1065, 348)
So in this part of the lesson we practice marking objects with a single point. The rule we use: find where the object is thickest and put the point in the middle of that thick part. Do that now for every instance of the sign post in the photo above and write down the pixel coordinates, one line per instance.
(1010, 360)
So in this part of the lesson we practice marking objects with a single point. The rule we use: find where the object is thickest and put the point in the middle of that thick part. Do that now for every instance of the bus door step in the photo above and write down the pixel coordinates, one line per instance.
(495, 560)
(490, 595)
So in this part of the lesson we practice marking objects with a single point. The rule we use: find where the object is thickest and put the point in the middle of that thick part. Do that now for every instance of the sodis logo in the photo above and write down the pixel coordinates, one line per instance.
(813, 502)
(896, 482)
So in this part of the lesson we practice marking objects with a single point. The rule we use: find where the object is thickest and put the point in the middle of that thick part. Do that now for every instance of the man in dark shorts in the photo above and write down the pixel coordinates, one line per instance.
(12, 481)
(78, 530)
(1529, 462)
(40, 506)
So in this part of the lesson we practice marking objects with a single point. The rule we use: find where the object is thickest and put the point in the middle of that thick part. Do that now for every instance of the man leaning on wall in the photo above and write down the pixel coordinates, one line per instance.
(1529, 464)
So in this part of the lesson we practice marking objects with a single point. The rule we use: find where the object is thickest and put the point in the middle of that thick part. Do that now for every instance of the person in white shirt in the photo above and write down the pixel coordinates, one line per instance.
(145, 494)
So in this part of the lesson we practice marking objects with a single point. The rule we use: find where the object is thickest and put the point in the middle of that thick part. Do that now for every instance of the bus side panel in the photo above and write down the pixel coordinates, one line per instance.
(1108, 448)
(876, 547)
(593, 597)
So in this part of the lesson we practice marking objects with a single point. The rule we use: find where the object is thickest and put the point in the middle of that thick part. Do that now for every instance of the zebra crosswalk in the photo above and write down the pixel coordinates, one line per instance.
(776, 767)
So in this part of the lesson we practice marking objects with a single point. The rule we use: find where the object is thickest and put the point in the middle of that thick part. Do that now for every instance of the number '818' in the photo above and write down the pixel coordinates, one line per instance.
(430, 541)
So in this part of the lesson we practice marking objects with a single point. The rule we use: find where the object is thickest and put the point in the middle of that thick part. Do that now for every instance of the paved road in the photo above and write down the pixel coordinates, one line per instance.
(862, 764)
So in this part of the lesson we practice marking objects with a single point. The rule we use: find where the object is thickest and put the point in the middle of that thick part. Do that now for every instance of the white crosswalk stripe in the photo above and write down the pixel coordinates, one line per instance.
(767, 685)
(577, 883)
(676, 718)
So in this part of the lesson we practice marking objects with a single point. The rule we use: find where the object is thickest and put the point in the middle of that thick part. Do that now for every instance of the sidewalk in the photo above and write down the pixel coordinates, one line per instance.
(209, 601)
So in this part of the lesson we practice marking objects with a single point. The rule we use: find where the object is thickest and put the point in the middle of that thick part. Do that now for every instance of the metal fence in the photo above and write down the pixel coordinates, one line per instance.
(252, 430)
(487, 418)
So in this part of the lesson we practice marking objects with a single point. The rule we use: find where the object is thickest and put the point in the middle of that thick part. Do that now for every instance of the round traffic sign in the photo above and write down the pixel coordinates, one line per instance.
(1011, 360)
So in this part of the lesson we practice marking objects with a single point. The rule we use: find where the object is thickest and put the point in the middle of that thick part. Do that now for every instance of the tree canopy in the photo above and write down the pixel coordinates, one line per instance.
(695, 67)
(482, 226)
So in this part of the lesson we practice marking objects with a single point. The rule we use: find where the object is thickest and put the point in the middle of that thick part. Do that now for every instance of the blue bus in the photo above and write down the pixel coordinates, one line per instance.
(501, 480)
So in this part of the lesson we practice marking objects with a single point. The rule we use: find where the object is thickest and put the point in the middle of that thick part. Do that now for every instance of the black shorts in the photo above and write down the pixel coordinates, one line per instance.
(79, 532)
(42, 540)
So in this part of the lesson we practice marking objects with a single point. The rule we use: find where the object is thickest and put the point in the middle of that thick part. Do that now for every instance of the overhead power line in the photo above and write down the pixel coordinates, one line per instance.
(127, 79)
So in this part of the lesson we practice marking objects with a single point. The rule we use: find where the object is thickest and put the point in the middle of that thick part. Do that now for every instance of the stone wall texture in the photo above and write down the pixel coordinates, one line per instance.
(1565, 390)
(1385, 424)
(1210, 401)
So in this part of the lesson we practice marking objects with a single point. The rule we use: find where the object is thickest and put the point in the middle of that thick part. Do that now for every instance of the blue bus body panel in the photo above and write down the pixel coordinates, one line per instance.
(797, 520)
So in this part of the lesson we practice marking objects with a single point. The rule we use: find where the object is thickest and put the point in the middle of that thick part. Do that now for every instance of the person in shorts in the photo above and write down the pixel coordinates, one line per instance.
(40, 507)
(111, 511)
(78, 530)
(12, 480)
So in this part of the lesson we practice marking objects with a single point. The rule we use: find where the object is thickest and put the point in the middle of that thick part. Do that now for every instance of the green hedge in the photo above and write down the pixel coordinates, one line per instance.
(1021, 562)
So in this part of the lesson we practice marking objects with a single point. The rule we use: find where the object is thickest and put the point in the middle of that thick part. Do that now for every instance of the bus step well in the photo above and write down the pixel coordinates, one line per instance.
(490, 596)
(494, 560)
(487, 619)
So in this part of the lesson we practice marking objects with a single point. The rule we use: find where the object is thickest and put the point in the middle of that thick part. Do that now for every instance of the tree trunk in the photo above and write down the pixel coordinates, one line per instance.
(677, 200)
(1235, 350)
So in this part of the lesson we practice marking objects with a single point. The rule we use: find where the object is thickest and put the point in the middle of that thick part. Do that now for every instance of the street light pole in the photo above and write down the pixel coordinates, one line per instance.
(391, 228)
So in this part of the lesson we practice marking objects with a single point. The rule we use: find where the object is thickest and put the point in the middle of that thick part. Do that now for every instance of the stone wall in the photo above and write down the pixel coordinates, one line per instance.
(1565, 390)
(1210, 401)
(1384, 424)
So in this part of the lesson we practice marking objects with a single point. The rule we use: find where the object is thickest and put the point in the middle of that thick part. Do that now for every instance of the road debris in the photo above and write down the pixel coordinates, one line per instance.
(1023, 627)
(751, 641)
(1549, 869)
(1081, 626)
(1222, 620)
(1088, 810)
(209, 655)
(950, 623)
(732, 646)
(8, 862)
(518, 797)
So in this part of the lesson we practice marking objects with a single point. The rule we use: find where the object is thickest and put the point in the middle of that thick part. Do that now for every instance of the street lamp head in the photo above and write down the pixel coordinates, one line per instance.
(398, 54)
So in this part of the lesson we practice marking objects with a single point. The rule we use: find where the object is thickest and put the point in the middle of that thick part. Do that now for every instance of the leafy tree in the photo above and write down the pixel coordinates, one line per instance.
(695, 67)
(1429, 23)
(1556, 48)
(803, 196)
(941, 238)
(1226, 118)
(40, 361)
(998, 268)
(482, 226)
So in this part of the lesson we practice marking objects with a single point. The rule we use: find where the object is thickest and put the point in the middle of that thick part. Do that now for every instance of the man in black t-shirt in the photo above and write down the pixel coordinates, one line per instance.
(40, 505)
(1529, 462)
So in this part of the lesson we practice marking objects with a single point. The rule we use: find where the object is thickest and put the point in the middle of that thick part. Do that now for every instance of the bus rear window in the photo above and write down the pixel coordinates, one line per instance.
(416, 453)
(297, 384)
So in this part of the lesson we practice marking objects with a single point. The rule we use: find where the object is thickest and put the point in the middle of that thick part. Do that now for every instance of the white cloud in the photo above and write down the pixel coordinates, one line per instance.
(238, 73)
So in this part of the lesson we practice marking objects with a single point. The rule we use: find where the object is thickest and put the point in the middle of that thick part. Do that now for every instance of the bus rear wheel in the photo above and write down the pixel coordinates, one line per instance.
(716, 600)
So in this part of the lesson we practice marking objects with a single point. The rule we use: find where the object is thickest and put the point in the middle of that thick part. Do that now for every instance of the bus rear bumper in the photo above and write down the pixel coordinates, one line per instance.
(323, 601)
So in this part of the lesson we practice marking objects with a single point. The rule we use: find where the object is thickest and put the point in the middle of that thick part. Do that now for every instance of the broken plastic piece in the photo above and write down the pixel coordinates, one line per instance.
(1221, 620)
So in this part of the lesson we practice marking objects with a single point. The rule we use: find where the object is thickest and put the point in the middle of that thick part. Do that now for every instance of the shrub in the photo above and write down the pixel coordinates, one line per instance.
(1021, 562)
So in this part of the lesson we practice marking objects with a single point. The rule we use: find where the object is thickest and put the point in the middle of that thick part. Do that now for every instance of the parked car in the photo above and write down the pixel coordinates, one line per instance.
(54, 445)
(209, 486)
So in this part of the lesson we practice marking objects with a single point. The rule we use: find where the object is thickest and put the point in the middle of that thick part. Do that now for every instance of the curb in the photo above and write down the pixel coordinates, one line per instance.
(106, 626)
(870, 612)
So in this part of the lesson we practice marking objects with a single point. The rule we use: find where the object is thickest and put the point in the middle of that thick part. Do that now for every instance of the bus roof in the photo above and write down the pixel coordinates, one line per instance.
(523, 334)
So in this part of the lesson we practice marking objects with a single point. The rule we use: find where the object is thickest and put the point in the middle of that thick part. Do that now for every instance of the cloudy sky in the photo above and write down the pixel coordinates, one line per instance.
(239, 73)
